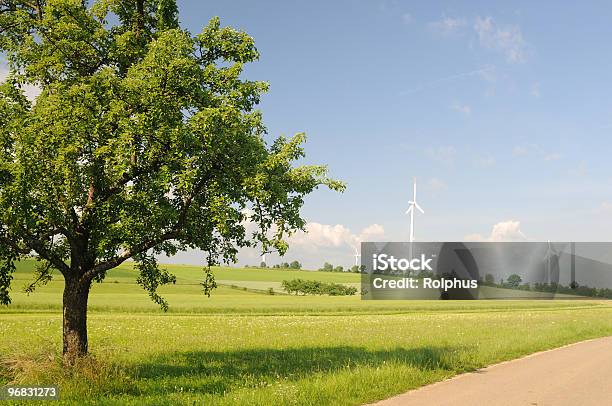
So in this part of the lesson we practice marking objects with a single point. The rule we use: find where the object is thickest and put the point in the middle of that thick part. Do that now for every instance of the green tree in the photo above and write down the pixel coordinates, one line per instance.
(295, 265)
(489, 279)
(327, 267)
(144, 140)
(513, 281)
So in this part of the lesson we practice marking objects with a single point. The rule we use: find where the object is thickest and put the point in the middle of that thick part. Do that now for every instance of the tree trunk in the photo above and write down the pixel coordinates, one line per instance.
(76, 293)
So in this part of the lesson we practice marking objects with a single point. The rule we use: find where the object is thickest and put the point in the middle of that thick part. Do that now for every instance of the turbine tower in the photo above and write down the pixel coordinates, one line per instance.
(357, 257)
(412, 205)
(263, 258)
(550, 253)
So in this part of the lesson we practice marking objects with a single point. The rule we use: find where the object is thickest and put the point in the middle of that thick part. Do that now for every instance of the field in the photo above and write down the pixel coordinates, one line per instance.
(248, 347)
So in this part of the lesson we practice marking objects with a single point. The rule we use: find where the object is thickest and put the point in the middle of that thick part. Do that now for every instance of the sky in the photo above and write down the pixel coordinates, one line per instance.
(501, 110)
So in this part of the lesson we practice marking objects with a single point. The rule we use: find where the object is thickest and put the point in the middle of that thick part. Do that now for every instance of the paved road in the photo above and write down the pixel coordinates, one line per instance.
(578, 374)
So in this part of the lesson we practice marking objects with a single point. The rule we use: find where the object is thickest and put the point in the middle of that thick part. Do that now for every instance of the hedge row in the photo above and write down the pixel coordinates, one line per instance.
(300, 286)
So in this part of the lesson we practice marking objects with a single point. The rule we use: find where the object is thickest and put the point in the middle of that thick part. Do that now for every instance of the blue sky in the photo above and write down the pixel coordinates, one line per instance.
(502, 110)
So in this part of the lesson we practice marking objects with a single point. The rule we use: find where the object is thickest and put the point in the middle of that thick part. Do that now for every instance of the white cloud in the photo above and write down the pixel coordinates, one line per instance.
(606, 207)
(373, 232)
(335, 236)
(505, 39)
(447, 25)
(508, 39)
(509, 230)
(318, 244)
(443, 154)
(323, 235)
(407, 18)
(31, 92)
(462, 108)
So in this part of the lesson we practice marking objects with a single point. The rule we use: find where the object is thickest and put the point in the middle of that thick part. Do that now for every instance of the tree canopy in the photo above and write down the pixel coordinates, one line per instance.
(145, 140)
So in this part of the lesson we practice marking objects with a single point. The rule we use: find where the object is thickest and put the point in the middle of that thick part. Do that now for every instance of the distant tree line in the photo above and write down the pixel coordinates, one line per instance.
(286, 265)
(283, 265)
(327, 267)
(514, 282)
(305, 287)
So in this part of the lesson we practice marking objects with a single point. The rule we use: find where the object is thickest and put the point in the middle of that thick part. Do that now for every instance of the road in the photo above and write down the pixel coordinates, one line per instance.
(577, 374)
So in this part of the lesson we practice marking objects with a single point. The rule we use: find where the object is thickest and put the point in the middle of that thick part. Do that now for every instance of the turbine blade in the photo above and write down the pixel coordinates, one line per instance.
(409, 209)
(419, 207)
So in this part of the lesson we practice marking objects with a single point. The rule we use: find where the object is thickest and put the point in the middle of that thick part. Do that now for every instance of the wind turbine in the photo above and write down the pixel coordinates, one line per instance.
(263, 257)
(550, 252)
(412, 205)
(357, 257)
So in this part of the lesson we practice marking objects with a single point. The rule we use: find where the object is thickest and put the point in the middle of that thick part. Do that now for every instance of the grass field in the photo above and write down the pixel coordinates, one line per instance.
(241, 347)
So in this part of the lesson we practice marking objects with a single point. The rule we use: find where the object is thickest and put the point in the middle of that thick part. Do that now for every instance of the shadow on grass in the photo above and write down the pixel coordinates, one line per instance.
(220, 372)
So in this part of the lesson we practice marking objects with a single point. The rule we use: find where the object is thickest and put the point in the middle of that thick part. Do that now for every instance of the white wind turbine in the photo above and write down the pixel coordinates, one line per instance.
(357, 257)
(412, 205)
(550, 252)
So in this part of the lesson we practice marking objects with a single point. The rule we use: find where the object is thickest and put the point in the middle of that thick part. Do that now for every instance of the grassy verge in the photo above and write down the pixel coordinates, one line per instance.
(279, 359)
(246, 347)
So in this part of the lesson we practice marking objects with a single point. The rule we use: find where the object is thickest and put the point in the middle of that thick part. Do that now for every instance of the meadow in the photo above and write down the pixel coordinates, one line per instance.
(248, 347)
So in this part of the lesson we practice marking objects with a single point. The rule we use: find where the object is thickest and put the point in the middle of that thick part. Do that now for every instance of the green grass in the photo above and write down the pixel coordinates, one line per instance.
(240, 347)
(186, 274)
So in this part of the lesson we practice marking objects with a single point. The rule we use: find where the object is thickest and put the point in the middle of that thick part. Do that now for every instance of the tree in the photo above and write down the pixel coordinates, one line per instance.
(513, 281)
(295, 265)
(489, 279)
(327, 267)
(144, 140)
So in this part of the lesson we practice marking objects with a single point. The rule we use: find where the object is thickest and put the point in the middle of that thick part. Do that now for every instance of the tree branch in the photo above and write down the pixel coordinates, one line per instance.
(143, 247)
(139, 248)
(33, 244)
(130, 176)
(11, 243)
(41, 250)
